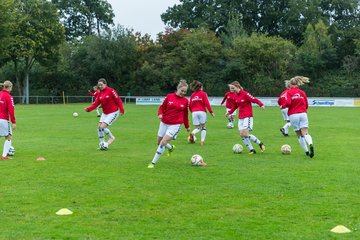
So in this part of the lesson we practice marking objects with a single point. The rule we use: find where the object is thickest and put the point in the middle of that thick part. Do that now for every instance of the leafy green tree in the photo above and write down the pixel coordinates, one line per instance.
(35, 38)
(266, 62)
(6, 24)
(83, 17)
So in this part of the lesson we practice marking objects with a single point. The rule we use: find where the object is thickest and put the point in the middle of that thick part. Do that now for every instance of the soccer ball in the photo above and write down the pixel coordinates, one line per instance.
(188, 139)
(237, 148)
(11, 151)
(75, 114)
(285, 149)
(197, 160)
(103, 146)
(230, 125)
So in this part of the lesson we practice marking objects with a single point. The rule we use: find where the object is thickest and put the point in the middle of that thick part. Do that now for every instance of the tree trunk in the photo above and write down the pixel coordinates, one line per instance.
(26, 89)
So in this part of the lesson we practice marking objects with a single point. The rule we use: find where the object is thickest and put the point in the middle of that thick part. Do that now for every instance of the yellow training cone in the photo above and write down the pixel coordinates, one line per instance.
(340, 229)
(64, 211)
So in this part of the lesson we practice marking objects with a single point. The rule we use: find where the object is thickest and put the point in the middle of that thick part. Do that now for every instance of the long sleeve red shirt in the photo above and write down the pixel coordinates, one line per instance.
(282, 98)
(174, 110)
(296, 101)
(230, 99)
(199, 102)
(7, 110)
(109, 101)
(243, 101)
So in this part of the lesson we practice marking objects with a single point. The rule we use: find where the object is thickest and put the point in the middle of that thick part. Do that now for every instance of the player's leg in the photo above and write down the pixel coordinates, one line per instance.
(108, 121)
(203, 120)
(7, 145)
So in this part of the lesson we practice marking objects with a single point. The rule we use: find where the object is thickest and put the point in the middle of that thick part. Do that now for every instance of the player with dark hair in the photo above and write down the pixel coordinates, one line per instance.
(173, 112)
(95, 94)
(230, 102)
(112, 108)
(199, 103)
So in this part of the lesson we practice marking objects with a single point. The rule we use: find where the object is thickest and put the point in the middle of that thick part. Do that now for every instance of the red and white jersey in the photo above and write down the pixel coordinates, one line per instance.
(94, 94)
(174, 110)
(282, 98)
(199, 102)
(230, 99)
(296, 101)
(7, 110)
(109, 100)
(243, 101)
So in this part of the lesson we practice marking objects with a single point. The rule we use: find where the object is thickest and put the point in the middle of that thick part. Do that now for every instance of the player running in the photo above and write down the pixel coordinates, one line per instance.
(297, 102)
(243, 102)
(7, 114)
(112, 107)
(199, 102)
(230, 102)
(284, 111)
(172, 113)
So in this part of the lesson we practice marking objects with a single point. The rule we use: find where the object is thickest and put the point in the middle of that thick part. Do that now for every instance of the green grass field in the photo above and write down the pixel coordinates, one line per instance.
(113, 195)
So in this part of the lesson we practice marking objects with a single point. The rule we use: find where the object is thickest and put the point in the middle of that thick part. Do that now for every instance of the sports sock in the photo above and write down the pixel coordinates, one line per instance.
(101, 134)
(97, 111)
(169, 146)
(308, 139)
(303, 143)
(247, 142)
(203, 134)
(108, 132)
(159, 152)
(254, 139)
(286, 127)
(7, 145)
(195, 131)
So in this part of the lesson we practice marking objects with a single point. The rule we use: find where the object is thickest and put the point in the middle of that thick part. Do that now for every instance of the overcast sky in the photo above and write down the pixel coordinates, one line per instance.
(141, 15)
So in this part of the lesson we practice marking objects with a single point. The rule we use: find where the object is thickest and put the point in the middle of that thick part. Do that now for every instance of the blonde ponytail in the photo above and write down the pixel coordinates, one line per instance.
(299, 80)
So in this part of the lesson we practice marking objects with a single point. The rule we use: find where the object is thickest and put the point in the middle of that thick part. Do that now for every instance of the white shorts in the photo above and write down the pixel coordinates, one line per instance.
(299, 120)
(198, 117)
(246, 123)
(284, 113)
(5, 128)
(109, 118)
(170, 130)
(233, 114)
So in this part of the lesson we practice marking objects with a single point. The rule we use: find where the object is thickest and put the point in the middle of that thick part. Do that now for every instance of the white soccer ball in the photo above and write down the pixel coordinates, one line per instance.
(104, 146)
(188, 139)
(11, 151)
(75, 114)
(237, 148)
(285, 149)
(230, 125)
(197, 160)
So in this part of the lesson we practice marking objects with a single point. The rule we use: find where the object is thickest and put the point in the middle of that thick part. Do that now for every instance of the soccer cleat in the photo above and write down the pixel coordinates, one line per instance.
(252, 151)
(262, 147)
(5, 158)
(311, 154)
(282, 130)
(307, 153)
(151, 165)
(191, 138)
(170, 151)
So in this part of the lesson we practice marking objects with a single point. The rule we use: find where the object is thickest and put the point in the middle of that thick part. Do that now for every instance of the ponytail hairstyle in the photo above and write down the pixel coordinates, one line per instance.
(6, 85)
(299, 81)
(287, 84)
(182, 83)
(196, 85)
(236, 84)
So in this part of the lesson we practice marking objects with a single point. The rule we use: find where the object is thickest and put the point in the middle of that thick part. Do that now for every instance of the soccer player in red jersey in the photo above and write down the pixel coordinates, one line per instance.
(199, 102)
(112, 107)
(297, 102)
(284, 110)
(173, 112)
(7, 114)
(95, 94)
(243, 101)
(230, 102)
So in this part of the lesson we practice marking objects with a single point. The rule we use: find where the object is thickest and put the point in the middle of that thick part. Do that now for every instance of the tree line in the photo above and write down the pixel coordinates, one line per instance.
(47, 47)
